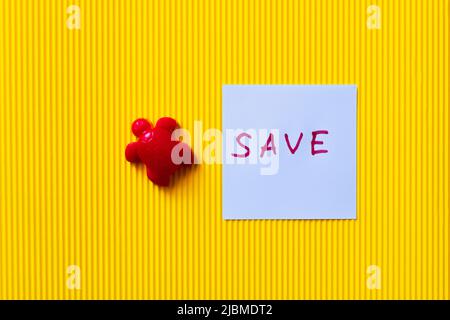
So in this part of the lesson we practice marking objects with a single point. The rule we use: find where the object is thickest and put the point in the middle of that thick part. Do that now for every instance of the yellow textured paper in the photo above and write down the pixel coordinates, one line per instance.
(72, 208)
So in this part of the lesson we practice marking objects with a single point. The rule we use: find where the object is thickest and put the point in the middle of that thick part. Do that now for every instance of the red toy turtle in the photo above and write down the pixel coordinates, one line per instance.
(154, 149)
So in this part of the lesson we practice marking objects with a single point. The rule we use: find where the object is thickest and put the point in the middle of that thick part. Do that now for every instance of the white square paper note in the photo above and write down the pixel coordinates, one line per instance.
(289, 152)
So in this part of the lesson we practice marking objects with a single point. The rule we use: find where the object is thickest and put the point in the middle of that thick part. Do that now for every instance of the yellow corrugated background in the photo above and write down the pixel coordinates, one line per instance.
(68, 197)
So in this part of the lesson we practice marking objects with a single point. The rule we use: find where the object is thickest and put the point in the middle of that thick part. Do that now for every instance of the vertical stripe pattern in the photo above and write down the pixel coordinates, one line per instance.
(68, 197)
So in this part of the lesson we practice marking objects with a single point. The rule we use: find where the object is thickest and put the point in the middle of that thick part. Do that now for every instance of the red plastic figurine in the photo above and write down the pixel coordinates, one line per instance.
(154, 149)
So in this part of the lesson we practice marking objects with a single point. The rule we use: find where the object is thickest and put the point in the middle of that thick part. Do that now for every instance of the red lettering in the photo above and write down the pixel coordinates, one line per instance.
(247, 149)
(293, 150)
(315, 142)
(268, 147)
